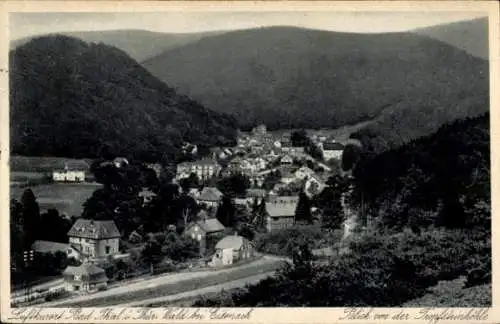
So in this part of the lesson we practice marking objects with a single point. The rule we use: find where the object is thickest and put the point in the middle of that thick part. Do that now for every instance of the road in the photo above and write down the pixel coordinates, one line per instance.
(170, 278)
(197, 292)
(57, 283)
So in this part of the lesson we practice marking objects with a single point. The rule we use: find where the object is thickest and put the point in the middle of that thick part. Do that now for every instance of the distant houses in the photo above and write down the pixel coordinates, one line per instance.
(70, 173)
(205, 169)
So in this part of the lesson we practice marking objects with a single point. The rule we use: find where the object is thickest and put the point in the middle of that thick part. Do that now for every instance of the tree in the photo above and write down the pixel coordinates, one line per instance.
(30, 216)
(303, 210)
(299, 138)
(152, 254)
(226, 212)
(54, 227)
(235, 185)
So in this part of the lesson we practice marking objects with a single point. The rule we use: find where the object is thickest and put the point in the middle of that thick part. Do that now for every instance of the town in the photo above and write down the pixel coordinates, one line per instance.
(264, 185)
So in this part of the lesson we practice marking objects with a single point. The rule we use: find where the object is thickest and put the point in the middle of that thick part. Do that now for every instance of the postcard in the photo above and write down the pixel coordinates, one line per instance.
(252, 162)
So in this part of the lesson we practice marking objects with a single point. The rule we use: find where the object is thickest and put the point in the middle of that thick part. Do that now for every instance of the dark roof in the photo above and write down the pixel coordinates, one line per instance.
(210, 194)
(48, 246)
(210, 225)
(88, 228)
(333, 146)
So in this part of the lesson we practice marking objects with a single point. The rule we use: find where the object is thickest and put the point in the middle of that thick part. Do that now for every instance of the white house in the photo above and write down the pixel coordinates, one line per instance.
(332, 150)
(231, 249)
(69, 174)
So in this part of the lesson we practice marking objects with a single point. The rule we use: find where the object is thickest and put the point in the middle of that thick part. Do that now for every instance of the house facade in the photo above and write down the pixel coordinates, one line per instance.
(209, 196)
(85, 278)
(205, 169)
(206, 231)
(332, 150)
(281, 212)
(230, 250)
(69, 174)
(95, 240)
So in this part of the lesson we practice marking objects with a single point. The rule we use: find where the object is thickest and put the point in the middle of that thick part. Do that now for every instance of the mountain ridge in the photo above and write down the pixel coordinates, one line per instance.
(69, 97)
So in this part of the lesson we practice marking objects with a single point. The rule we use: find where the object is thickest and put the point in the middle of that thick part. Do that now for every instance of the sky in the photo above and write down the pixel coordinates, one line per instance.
(29, 24)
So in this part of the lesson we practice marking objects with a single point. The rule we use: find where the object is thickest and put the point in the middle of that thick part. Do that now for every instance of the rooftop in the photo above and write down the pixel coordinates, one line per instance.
(280, 210)
(333, 146)
(234, 242)
(84, 269)
(94, 229)
(211, 225)
(210, 194)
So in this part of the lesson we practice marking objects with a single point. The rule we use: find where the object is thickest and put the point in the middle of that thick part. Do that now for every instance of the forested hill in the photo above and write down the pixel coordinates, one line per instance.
(69, 98)
(442, 179)
(292, 77)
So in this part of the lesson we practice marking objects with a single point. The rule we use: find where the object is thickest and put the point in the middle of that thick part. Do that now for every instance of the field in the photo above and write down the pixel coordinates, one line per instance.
(65, 197)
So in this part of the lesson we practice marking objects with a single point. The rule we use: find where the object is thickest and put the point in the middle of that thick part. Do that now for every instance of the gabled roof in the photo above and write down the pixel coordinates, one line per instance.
(210, 225)
(280, 210)
(49, 247)
(333, 146)
(234, 242)
(210, 194)
(84, 269)
(87, 228)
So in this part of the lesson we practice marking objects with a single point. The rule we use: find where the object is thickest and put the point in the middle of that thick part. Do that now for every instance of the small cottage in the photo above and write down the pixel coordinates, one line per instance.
(206, 231)
(210, 196)
(281, 212)
(230, 250)
(146, 196)
(86, 278)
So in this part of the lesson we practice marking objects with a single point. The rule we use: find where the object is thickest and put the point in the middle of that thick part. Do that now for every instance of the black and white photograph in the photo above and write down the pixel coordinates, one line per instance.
(260, 158)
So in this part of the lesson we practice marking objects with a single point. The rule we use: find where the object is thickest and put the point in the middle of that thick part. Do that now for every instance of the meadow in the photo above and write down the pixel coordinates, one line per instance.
(67, 198)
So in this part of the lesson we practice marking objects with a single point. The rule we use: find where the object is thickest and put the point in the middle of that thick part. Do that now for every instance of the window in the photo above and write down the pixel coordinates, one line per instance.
(78, 277)
(108, 249)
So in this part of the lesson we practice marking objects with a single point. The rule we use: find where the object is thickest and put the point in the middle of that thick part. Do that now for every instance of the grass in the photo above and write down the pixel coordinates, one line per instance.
(177, 287)
(65, 197)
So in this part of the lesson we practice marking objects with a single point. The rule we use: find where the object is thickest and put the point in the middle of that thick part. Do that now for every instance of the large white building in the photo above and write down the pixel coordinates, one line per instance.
(332, 150)
(69, 174)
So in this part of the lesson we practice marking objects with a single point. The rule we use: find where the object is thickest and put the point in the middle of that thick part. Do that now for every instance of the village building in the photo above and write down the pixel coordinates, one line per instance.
(42, 247)
(256, 194)
(281, 212)
(205, 169)
(146, 196)
(85, 278)
(303, 172)
(314, 185)
(231, 250)
(259, 130)
(95, 240)
(70, 173)
(332, 150)
(206, 231)
(210, 196)
(286, 160)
